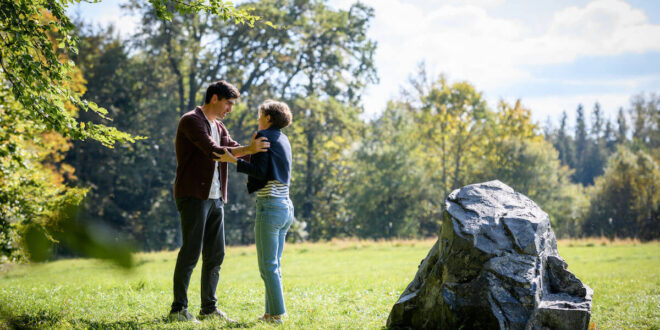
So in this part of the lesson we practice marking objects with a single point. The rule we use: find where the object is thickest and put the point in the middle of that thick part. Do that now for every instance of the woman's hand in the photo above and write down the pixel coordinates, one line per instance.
(227, 157)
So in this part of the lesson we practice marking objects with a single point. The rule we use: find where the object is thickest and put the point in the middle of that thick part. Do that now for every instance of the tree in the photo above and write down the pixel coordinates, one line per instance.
(421, 148)
(40, 97)
(33, 197)
(563, 142)
(262, 62)
(450, 118)
(609, 138)
(388, 194)
(645, 114)
(335, 63)
(36, 74)
(519, 156)
(622, 127)
(597, 151)
(625, 201)
(581, 148)
(596, 122)
(130, 185)
(323, 137)
(245, 53)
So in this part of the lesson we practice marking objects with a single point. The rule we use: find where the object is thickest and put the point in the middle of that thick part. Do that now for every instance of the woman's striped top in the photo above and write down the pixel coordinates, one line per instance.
(274, 188)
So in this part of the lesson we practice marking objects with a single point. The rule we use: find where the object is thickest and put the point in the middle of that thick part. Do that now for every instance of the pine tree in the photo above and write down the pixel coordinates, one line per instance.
(622, 127)
(639, 117)
(597, 147)
(610, 138)
(596, 122)
(645, 115)
(563, 143)
(581, 148)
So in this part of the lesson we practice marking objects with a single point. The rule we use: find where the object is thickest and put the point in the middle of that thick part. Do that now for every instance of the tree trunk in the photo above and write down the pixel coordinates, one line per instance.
(309, 178)
(174, 65)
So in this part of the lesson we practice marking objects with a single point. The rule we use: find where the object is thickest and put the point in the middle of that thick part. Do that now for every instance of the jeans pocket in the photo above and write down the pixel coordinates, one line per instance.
(276, 216)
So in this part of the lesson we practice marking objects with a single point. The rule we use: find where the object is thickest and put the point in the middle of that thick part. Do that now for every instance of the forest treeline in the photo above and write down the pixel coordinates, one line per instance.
(380, 178)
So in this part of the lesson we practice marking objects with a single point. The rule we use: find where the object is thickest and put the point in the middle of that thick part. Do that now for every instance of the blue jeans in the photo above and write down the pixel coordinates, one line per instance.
(274, 217)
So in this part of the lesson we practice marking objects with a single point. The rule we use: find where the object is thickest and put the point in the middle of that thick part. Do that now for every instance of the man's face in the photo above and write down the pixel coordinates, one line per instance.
(223, 107)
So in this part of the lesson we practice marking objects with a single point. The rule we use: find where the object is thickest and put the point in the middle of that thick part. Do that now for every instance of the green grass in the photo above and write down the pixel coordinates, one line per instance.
(333, 285)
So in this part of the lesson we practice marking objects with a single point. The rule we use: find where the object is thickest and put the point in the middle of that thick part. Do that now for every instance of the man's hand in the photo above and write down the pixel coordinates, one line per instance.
(227, 157)
(260, 144)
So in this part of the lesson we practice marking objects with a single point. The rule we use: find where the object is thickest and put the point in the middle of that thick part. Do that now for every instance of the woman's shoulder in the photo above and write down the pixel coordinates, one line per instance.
(271, 133)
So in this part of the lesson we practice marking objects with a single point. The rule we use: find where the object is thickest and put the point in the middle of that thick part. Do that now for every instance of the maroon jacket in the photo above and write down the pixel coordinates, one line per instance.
(194, 156)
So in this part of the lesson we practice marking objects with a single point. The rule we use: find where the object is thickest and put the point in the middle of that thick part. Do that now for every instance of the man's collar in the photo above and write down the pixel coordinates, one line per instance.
(200, 110)
(207, 118)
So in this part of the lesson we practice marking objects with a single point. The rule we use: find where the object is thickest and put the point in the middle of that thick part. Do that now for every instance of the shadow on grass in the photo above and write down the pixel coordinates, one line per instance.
(39, 319)
(237, 325)
(214, 324)
(87, 324)
(47, 319)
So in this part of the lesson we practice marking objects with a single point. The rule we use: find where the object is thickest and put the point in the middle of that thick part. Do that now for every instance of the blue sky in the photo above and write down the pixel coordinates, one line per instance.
(551, 54)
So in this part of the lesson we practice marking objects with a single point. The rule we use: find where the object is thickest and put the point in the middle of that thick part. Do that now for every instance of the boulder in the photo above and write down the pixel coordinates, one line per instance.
(495, 265)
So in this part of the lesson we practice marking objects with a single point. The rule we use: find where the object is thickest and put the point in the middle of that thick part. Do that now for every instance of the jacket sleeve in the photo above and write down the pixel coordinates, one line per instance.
(195, 131)
(257, 166)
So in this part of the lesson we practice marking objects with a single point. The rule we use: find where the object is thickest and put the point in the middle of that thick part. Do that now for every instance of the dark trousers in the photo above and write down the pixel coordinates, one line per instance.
(203, 231)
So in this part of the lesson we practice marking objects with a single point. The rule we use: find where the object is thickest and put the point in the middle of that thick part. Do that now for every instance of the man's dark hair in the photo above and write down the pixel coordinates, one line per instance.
(279, 112)
(223, 89)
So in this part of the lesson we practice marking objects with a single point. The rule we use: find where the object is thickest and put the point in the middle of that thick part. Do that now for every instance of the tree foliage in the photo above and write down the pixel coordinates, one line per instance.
(40, 100)
(169, 66)
(619, 160)
(380, 179)
(626, 199)
(441, 136)
(388, 194)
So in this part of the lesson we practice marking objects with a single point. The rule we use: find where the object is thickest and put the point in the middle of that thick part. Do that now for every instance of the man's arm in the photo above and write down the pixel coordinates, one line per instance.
(257, 166)
(257, 144)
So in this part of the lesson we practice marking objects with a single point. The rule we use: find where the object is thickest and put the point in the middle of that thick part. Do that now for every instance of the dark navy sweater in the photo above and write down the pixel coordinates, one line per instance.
(274, 164)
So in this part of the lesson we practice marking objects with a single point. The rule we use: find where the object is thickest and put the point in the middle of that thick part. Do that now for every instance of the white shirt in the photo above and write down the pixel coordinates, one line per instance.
(215, 183)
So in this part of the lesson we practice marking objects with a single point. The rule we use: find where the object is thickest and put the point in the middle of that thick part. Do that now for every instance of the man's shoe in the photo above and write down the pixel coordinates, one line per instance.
(182, 315)
(216, 314)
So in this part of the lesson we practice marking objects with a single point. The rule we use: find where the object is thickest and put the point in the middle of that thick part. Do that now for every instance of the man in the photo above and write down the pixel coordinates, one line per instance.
(200, 191)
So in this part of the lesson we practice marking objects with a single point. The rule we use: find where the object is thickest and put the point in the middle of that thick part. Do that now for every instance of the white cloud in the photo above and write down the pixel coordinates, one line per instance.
(602, 27)
(461, 39)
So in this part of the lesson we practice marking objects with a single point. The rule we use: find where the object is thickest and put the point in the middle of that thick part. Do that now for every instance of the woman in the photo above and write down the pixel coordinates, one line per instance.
(269, 174)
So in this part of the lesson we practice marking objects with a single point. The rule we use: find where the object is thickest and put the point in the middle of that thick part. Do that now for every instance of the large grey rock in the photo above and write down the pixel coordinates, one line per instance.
(495, 265)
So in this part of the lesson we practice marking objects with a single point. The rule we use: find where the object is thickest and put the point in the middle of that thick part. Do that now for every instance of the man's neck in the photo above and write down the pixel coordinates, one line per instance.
(208, 113)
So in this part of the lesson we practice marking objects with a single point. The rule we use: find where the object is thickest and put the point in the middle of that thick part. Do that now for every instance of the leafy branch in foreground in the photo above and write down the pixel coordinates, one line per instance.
(41, 93)
(37, 74)
(36, 71)
(165, 10)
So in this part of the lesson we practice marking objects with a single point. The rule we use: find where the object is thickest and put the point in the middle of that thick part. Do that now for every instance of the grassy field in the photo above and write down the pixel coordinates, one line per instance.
(335, 285)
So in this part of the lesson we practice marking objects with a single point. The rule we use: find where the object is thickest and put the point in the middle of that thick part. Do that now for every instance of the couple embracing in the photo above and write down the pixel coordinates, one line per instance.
(204, 150)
